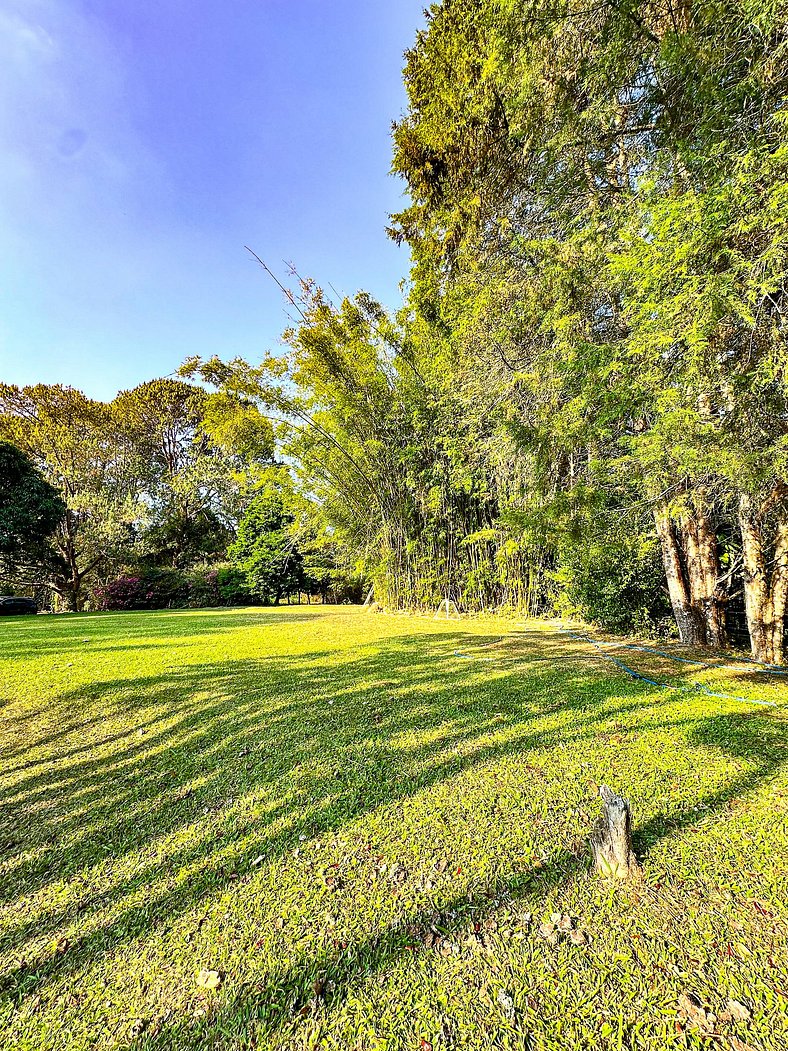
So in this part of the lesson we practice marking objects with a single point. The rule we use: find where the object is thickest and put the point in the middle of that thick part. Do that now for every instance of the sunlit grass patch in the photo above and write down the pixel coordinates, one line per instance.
(360, 833)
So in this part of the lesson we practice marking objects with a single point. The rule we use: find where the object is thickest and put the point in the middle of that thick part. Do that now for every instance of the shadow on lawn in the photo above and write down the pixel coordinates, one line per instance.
(207, 732)
(269, 1004)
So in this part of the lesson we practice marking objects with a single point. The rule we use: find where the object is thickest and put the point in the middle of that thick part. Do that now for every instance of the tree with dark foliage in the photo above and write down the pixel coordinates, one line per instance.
(30, 511)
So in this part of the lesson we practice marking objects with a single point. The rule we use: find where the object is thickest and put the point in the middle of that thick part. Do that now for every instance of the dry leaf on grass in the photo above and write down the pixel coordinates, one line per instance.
(693, 1012)
(561, 924)
(735, 1012)
(507, 1003)
(208, 979)
(431, 939)
(549, 933)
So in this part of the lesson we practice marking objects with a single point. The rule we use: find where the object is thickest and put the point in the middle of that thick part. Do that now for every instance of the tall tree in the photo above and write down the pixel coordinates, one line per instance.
(186, 479)
(75, 444)
(265, 548)
(536, 142)
(30, 512)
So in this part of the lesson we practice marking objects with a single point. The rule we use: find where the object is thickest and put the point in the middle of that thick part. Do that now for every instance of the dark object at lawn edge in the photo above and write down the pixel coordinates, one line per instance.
(611, 838)
(11, 605)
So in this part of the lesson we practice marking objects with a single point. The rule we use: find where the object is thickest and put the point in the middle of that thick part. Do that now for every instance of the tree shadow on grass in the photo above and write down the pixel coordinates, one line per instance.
(320, 744)
(256, 1010)
(89, 795)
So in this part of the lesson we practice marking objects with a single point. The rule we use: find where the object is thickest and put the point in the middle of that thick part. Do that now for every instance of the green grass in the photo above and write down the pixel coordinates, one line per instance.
(362, 832)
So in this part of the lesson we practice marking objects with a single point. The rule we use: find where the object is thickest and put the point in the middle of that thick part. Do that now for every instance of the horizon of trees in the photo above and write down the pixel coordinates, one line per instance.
(582, 404)
(145, 500)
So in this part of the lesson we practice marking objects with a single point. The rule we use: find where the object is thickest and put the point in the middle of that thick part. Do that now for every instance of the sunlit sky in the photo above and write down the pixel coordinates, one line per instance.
(142, 145)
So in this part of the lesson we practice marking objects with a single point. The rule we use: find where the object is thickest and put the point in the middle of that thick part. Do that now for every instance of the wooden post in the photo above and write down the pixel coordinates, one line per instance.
(611, 838)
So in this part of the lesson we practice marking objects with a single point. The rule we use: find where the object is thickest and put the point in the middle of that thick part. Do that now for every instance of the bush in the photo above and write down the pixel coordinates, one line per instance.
(150, 589)
(616, 583)
(346, 588)
(203, 586)
(223, 585)
(232, 587)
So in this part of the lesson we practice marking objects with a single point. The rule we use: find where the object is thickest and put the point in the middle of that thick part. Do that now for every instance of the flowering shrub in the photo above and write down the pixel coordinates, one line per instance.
(151, 589)
(174, 588)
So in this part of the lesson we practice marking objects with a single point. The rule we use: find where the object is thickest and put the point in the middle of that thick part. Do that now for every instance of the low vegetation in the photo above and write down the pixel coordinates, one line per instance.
(315, 827)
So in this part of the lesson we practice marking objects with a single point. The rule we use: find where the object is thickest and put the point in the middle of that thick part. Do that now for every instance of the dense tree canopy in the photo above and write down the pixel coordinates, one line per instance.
(160, 474)
(30, 512)
(265, 548)
(582, 405)
(598, 219)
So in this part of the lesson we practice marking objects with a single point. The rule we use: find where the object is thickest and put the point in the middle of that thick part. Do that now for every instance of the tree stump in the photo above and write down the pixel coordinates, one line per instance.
(611, 838)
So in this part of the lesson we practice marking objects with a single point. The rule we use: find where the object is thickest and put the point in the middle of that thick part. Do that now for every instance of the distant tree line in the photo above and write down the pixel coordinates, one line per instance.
(153, 499)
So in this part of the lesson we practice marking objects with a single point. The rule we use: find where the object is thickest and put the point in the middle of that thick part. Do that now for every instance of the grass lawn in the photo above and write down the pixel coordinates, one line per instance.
(354, 834)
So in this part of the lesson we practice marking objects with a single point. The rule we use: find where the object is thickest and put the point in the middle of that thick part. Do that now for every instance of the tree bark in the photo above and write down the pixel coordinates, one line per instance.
(765, 562)
(692, 569)
(703, 568)
(688, 619)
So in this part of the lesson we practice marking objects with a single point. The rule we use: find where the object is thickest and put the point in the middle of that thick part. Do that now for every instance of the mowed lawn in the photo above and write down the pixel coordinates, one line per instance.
(353, 825)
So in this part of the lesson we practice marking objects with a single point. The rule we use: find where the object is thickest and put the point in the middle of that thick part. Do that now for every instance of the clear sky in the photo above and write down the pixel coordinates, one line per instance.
(143, 144)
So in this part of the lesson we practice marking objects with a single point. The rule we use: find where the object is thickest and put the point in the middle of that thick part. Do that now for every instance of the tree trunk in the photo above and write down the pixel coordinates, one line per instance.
(688, 619)
(765, 559)
(704, 571)
(611, 838)
(69, 590)
(692, 569)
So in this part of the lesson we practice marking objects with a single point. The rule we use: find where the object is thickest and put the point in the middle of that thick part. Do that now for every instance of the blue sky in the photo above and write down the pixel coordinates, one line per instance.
(142, 145)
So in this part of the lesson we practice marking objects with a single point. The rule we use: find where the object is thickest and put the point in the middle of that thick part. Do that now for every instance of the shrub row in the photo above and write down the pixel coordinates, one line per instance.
(175, 588)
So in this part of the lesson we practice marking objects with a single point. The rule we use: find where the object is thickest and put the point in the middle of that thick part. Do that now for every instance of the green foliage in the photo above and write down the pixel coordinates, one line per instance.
(199, 453)
(78, 447)
(230, 583)
(594, 330)
(615, 581)
(597, 216)
(265, 550)
(156, 478)
(180, 538)
(30, 512)
(156, 588)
